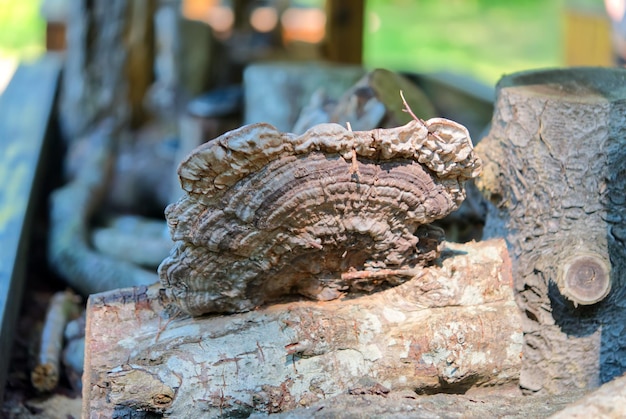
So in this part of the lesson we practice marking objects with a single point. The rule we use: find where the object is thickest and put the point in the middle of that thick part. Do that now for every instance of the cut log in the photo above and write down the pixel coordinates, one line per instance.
(62, 308)
(451, 327)
(555, 160)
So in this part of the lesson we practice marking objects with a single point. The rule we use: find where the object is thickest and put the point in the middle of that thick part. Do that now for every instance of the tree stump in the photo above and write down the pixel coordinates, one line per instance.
(451, 328)
(554, 170)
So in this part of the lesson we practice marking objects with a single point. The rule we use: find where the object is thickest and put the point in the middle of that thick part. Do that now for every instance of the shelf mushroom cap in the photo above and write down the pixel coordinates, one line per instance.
(268, 214)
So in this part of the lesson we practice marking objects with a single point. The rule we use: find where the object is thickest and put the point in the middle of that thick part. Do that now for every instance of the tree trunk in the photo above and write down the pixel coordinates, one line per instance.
(554, 169)
(451, 328)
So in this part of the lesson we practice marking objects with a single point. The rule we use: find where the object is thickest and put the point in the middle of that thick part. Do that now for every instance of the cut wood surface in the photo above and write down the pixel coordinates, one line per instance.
(555, 159)
(452, 327)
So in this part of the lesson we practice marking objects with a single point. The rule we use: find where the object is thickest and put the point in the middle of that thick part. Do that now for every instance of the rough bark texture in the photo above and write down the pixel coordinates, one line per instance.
(555, 160)
(452, 327)
(497, 403)
(268, 214)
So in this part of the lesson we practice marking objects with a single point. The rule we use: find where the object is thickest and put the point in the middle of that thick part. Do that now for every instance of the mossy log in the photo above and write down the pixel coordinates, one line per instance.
(555, 160)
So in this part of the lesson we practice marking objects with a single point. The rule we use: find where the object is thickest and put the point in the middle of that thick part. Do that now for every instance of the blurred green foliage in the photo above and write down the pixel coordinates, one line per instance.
(481, 38)
(22, 30)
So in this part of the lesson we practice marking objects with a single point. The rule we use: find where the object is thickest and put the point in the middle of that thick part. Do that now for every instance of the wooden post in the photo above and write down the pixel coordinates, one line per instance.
(587, 36)
(344, 31)
(555, 160)
(55, 36)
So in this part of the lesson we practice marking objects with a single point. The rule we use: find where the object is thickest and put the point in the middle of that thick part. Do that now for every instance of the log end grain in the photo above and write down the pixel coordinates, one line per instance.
(585, 279)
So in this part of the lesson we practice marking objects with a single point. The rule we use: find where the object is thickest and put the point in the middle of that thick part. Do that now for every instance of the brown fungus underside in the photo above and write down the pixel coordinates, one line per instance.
(268, 214)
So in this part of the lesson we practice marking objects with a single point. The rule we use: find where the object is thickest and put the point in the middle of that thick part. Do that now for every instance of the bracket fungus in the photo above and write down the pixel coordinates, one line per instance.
(268, 214)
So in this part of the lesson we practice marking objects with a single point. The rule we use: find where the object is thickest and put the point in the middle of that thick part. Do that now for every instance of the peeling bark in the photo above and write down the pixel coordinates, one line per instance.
(555, 159)
(451, 327)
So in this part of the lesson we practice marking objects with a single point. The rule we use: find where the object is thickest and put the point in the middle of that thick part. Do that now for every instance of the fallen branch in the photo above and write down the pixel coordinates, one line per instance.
(453, 327)
(63, 307)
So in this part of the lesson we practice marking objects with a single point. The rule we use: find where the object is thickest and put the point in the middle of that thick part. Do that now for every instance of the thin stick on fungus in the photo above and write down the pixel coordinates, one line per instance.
(408, 110)
(63, 307)
(382, 273)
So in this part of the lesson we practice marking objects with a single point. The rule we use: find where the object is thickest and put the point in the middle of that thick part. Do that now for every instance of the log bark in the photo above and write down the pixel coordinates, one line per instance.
(497, 403)
(554, 165)
(451, 327)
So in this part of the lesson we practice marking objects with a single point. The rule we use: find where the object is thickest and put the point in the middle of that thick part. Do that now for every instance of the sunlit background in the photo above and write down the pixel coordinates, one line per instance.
(483, 39)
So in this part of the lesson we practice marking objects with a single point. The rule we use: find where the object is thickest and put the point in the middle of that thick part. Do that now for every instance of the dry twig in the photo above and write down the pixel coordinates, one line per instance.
(63, 307)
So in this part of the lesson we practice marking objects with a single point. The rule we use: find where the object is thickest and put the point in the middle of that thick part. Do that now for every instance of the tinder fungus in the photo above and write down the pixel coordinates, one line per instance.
(268, 214)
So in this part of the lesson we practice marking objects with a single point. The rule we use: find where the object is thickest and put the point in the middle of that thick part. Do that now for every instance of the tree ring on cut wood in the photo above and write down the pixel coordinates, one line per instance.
(268, 214)
(585, 279)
